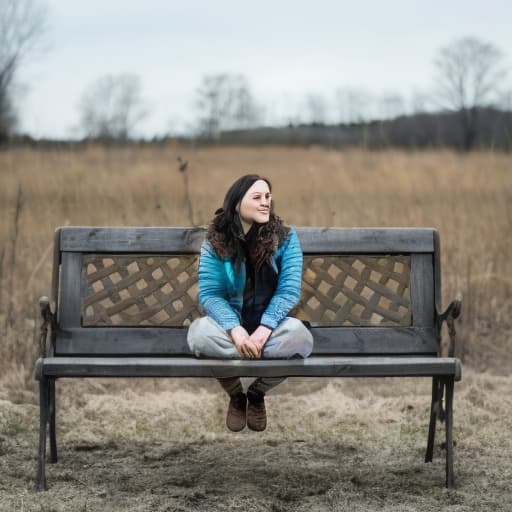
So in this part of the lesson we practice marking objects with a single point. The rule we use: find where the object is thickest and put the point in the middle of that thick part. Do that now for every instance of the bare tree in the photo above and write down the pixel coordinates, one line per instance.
(316, 108)
(225, 102)
(7, 114)
(391, 105)
(419, 102)
(354, 105)
(505, 104)
(469, 73)
(505, 100)
(112, 106)
(22, 23)
(246, 113)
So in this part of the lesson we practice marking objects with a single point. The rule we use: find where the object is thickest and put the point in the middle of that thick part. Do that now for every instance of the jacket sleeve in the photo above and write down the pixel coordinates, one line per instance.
(289, 283)
(213, 291)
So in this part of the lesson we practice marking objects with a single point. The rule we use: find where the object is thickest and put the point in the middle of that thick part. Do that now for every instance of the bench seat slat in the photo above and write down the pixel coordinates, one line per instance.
(192, 367)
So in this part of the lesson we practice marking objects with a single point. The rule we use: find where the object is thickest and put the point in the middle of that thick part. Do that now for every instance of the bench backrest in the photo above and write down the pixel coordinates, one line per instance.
(133, 290)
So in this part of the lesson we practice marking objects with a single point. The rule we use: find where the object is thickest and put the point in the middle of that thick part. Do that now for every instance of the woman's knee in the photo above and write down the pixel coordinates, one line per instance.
(302, 336)
(198, 334)
(296, 340)
(206, 338)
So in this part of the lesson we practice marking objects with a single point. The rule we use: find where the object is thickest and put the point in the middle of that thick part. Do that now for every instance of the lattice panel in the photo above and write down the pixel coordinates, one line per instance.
(355, 290)
(122, 290)
(139, 290)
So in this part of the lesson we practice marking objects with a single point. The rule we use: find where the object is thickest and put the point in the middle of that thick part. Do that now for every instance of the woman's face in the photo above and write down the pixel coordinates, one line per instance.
(255, 205)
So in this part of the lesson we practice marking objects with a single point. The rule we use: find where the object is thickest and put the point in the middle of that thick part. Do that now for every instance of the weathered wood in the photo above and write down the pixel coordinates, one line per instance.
(185, 240)
(373, 340)
(193, 367)
(132, 239)
(155, 341)
(70, 296)
(149, 341)
(139, 290)
(54, 296)
(422, 290)
(355, 290)
(365, 240)
(437, 271)
(161, 290)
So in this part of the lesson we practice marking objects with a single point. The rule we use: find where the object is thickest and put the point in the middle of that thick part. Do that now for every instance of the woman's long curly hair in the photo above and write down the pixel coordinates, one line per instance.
(225, 230)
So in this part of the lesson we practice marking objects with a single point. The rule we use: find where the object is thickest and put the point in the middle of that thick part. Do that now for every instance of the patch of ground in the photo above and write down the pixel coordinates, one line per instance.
(331, 445)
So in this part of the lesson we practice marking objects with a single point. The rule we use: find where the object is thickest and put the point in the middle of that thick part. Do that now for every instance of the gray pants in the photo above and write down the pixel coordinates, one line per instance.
(290, 339)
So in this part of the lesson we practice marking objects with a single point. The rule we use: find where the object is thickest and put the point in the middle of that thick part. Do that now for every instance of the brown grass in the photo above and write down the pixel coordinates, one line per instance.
(467, 197)
(331, 445)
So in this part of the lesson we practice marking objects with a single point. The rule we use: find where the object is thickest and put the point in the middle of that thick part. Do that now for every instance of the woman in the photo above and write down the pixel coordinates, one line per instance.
(250, 274)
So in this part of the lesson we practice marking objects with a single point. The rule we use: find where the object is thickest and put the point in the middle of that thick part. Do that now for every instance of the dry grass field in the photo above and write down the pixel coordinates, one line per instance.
(331, 445)
(336, 445)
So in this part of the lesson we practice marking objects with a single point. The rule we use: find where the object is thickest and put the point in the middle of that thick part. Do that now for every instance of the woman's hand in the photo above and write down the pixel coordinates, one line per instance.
(260, 336)
(243, 343)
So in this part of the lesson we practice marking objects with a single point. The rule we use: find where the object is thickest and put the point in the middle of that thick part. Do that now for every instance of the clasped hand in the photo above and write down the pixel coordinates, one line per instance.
(250, 347)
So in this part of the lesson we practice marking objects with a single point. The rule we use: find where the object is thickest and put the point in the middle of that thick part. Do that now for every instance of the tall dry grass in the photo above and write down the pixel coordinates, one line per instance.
(467, 197)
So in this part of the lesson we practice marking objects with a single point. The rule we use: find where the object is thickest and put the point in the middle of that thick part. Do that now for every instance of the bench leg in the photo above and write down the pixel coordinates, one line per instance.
(53, 438)
(449, 385)
(43, 422)
(433, 418)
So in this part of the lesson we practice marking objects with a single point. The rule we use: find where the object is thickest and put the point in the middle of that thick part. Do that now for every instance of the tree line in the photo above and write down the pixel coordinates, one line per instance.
(469, 107)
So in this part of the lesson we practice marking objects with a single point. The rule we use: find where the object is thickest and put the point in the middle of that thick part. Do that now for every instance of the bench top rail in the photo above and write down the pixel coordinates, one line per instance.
(188, 240)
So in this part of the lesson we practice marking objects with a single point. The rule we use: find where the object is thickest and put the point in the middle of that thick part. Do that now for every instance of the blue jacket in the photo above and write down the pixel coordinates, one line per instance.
(221, 289)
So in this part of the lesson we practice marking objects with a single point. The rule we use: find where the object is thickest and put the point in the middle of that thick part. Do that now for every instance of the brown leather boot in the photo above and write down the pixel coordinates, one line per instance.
(237, 412)
(256, 413)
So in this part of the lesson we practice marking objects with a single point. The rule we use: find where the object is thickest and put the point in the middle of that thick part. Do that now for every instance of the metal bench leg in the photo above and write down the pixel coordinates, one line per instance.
(43, 422)
(449, 384)
(53, 438)
(434, 406)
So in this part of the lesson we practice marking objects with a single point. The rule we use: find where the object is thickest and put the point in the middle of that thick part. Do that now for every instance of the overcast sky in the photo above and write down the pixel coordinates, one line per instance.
(287, 49)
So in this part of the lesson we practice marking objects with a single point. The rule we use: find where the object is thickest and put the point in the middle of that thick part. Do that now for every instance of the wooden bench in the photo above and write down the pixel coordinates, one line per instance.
(122, 298)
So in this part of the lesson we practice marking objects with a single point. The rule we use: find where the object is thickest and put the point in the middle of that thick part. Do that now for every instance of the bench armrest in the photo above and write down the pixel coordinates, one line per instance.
(451, 313)
(49, 320)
